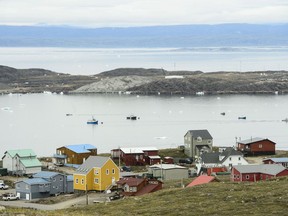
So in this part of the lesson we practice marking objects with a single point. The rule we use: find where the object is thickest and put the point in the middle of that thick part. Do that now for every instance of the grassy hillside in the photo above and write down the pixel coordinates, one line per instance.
(219, 198)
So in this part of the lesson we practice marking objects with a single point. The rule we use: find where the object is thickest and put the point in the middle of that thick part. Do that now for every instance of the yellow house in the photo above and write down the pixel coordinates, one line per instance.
(96, 173)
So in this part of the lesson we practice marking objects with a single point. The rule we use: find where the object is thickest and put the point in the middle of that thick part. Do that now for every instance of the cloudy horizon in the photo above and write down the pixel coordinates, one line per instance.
(129, 13)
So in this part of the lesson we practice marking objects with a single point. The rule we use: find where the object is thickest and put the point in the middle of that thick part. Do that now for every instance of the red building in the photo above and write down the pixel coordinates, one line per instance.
(137, 156)
(138, 186)
(256, 146)
(283, 161)
(252, 173)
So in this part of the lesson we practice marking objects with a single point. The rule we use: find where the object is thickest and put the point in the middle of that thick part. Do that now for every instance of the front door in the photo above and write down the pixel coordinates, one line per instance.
(27, 196)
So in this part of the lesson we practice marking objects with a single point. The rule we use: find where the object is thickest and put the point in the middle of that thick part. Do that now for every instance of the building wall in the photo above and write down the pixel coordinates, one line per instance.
(191, 142)
(30, 170)
(169, 173)
(263, 146)
(235, 160)
(7, 162)
(79, 182)
(73, 157)
(107, 174)
(57, 184)
(33, 191)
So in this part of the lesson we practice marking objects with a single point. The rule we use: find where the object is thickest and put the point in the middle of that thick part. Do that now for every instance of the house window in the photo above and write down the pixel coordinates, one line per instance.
(76, 180)
(230, 158)
(107, 171)
(54, 179)
(61, 179)
(82, 181)
(247, 176)
(260, 145)
(96, 180)
(199, 139)
(96, 172)
(27, 187)
(209, 141)
(113, 171)
(239, 158)
(17, 185)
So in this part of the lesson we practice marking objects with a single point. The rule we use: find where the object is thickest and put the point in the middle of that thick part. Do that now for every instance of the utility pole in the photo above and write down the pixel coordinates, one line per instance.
(86, 191)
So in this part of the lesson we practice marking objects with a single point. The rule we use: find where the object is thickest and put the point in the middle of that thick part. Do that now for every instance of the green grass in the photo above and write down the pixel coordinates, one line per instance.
(172, 152)
(217, 198)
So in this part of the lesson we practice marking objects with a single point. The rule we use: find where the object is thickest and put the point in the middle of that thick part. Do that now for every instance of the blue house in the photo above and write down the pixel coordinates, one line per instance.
(44, 184)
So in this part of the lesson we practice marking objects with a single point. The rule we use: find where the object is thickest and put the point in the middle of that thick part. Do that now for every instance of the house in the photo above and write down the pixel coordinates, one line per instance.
(74, 154)
(202, 179)
(168, 171)
(44, 184)
(96, 173)
(197, 142)
(137, 156)
(21, 162)
(283, 161)
(253, 173)
(228, 158)
(256, 146)
(138, 186)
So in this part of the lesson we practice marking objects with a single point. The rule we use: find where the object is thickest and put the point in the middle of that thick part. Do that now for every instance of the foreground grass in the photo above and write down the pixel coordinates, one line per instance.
(217, 198)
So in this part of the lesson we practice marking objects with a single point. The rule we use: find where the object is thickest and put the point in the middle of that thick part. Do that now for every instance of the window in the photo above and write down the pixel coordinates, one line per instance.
(199, 139)
(27, 187)
(54, 179)
(76, 180)
(113, 171)
(96, 172)
(239, 158)
(260, 145)
(230, 158)
(96, 180)
(247, 176)
(82, 181)
(107, 171)
(61, 179)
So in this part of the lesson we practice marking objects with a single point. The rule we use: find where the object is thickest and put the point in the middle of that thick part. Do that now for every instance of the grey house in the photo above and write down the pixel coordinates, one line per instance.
(197, 142)
(44, 184)
(168, 171)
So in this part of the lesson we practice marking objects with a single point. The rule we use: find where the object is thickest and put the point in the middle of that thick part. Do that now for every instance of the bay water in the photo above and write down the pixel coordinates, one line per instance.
(39, 121)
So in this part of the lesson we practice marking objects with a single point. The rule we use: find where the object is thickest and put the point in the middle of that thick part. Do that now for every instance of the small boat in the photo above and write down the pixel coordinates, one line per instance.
(223, 113)
(132, 117)
(92, 121)
(68, 114)
(285, 120)
(242, 117)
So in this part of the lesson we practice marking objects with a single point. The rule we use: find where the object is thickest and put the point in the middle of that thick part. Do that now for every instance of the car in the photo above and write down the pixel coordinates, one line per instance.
(10, 196)
(126, 168)
(3, 186)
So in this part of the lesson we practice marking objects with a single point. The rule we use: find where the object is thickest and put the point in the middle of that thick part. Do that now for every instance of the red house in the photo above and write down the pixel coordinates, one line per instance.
(283, 161)
(138, 186)
(256, 146)
(137, 156)
(252, 173)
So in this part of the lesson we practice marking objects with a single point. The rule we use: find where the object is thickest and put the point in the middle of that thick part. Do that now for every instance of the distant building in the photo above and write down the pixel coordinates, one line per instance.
(168, 171)
(197, 142)
(21, 162)
(74, 154)
(283, 161)
(256, 146)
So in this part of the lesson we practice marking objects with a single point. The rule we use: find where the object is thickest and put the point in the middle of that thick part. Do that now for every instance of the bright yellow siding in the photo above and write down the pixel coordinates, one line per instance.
(101, 175)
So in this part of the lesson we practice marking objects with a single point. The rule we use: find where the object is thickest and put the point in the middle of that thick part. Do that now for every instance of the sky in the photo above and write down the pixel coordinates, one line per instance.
(126, 13)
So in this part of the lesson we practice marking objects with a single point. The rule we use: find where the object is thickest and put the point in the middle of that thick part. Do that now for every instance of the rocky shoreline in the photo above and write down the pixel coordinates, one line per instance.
(144, 81)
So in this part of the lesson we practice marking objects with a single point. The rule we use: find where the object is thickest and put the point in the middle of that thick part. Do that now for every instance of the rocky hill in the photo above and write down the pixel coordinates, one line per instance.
(144, 81)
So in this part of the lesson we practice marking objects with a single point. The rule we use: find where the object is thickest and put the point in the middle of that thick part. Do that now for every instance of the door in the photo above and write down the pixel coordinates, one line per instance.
(27, 196)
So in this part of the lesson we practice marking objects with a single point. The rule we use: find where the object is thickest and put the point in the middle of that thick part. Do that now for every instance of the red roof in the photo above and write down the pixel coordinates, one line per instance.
(203, 179)
(130, 181)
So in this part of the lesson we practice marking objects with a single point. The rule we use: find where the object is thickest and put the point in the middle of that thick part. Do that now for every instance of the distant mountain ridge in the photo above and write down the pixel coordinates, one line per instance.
(154, 36)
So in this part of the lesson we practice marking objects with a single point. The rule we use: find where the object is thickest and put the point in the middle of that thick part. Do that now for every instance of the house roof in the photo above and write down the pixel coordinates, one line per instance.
(204, 134)
(229, 152)
(155, 157)
(22, 153)
(210, 157)
(166, 166)
(271, 169)
(132, 182)
(35, 181)
(203, 179)
(46, 174)
(252, 140)
(30, 162)
(278, 160)
(90, 163)
(81, 148)
(147, 189)
(139, 150)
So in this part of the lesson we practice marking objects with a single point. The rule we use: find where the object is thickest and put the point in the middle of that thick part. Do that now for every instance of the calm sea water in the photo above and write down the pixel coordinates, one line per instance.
(87, 61)
(39, 121)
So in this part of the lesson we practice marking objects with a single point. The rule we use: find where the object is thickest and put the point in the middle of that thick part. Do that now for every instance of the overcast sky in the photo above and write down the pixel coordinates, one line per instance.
(103, 13)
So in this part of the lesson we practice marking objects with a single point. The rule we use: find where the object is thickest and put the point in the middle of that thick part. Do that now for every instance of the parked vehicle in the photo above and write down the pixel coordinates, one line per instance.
(3, 186)
(10, 196)
(126, 168)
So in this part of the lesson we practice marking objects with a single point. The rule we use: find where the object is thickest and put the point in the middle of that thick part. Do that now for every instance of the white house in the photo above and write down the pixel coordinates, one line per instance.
(229, 158)
(20, 162)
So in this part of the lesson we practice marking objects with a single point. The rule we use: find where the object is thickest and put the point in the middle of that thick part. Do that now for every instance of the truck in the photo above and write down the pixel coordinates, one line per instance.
(3, 186)
(10, 196)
